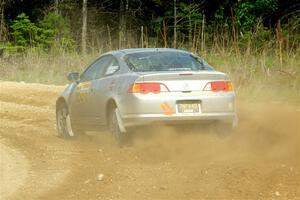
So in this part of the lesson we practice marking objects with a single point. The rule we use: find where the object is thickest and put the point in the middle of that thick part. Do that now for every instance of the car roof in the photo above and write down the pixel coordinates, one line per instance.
(141, 50)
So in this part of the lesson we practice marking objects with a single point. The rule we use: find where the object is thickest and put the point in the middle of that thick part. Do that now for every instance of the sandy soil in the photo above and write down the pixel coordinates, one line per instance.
(13, 168)
(260, 160)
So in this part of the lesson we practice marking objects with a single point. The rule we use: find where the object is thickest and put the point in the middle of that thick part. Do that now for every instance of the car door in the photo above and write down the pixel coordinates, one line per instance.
(81, 100)
(102, 89)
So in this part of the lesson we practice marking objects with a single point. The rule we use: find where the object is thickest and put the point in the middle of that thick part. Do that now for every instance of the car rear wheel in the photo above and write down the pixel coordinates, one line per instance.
(114, 126)
(63, 123)
(223, 129)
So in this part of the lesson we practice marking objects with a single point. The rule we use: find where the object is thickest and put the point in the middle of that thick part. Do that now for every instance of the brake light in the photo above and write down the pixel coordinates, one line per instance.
(217, 86)
(145, 88)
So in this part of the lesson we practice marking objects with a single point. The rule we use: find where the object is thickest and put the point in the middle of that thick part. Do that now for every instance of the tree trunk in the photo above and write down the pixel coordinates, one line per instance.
(142, 36)
(122, 23)
(56, 7)
(190, 26)
(109, 37)
(1, 20)
(165, 37)
(279, 41)
(175, 24)
(84, 26)
(202, 34)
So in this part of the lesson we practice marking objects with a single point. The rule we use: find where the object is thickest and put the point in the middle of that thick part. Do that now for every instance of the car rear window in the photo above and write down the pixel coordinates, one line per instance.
(165, 61)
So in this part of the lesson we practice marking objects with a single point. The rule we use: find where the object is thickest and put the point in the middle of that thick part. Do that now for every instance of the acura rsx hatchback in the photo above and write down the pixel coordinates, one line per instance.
(128, 88)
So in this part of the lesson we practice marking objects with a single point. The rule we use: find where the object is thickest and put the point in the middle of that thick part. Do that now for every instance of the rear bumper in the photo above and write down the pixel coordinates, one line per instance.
(148, 119)
(141, 109)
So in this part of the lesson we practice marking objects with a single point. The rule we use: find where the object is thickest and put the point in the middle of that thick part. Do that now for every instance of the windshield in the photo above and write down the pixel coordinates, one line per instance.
(165, 61)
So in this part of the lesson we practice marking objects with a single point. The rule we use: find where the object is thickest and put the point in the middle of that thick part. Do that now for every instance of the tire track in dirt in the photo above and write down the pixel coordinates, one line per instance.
(258, 161)
(13, 170)
(27, 125)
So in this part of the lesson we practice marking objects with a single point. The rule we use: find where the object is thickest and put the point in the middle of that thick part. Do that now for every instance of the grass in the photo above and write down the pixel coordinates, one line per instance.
(260, 75)
(263, 75)
(41, 67)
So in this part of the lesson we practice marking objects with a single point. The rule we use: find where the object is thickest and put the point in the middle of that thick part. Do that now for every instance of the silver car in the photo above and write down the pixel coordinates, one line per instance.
(124, 89)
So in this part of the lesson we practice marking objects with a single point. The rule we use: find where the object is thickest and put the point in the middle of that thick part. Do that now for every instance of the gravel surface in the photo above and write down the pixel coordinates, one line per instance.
(259, 160)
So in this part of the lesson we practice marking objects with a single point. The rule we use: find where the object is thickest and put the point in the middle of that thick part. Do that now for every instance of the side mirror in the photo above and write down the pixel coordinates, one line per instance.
(74, 76)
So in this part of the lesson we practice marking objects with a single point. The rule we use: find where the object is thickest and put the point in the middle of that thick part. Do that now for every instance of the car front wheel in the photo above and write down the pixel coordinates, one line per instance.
(63, 123)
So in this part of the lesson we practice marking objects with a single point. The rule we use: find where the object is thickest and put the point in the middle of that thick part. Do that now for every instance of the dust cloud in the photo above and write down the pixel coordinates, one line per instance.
(258, 160)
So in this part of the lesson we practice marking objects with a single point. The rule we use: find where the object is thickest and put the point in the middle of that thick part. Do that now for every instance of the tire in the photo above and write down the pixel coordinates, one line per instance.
(114, 126)
(64, 127)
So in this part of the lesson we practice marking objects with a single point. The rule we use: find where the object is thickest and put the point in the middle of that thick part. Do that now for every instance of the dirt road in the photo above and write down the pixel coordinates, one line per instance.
(260, 160)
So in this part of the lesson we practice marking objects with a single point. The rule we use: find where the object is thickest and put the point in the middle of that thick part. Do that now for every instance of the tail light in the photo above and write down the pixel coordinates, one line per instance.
(145, 88)
(217, 86)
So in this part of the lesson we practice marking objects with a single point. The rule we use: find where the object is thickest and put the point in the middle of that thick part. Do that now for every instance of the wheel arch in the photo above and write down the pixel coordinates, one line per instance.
(60, 101)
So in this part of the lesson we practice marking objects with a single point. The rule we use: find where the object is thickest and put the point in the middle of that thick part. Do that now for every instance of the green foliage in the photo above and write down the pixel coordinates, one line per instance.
(49, 32)
(248, 12)
(55, 32)
(265, 7)
(257, 38)
(189, 13)
(157, 24)
(219, 24)
(24, 32)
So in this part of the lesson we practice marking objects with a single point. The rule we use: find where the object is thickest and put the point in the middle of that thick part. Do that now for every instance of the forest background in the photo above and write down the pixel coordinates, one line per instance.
(255, 41)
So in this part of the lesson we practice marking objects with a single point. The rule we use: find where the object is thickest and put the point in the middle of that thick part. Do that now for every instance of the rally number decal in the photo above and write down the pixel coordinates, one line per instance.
(83, 91)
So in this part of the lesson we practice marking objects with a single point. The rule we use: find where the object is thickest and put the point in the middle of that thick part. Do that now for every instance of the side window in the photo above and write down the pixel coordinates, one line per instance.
(95, 70)
(112, 67)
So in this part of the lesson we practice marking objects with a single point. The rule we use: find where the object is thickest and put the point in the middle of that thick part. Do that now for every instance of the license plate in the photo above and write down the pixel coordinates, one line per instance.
(188, 108)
